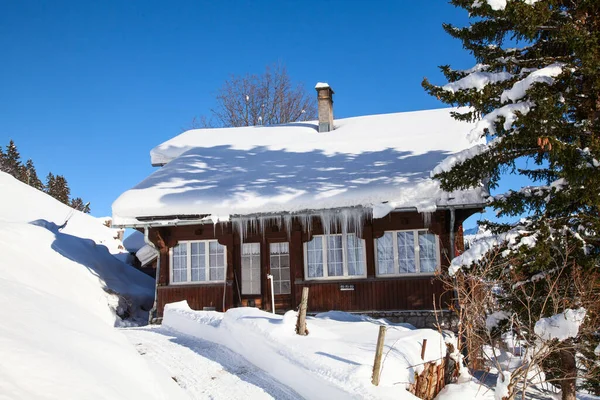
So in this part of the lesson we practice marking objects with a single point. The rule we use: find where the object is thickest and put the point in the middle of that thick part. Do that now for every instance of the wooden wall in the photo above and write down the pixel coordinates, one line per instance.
(369, 294)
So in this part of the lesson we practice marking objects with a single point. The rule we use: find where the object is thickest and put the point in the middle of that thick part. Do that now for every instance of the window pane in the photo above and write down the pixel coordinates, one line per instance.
(198, 261)
(427, 252)
(180, 263)
(280, 267)
(355, 255)
(385, 254)
(314, 254)
(216, 261)
(335, 254)
(406, 252)
(251, 268)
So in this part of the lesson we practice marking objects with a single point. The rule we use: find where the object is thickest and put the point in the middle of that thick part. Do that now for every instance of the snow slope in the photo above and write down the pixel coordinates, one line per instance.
(58, 290)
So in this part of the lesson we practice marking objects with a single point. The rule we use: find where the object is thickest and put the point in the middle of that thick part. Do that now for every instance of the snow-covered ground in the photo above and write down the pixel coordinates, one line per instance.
(203, 369)
(334, 361)
(60, 290)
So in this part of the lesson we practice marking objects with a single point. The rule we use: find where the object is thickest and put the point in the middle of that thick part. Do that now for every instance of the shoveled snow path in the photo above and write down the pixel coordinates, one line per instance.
(205, 370)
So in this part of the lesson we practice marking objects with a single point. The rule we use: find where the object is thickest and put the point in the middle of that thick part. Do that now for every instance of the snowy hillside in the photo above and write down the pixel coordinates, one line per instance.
(60, 290)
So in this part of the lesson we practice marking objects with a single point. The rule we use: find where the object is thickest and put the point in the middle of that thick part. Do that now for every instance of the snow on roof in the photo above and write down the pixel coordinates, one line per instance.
(380, 162)
(321, 85)
(134, 241)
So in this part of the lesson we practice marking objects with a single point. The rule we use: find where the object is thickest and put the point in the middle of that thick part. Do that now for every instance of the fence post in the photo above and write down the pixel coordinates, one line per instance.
(301, 323)
(423, 349)
(378, 353)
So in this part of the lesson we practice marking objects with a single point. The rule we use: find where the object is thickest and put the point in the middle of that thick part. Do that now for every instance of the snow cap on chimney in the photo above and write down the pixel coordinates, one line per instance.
(325, 106)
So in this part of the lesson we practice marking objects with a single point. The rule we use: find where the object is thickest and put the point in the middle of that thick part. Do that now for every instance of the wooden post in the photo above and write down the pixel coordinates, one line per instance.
(301, 323)
(378, 353)
(423, 349)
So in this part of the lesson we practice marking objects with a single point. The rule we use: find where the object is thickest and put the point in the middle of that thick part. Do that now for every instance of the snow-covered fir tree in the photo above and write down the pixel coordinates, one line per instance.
(535, 96)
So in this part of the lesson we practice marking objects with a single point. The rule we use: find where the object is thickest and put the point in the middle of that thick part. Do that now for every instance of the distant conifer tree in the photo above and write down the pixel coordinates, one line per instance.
(62, 191)
(78, 204)
(31, 177)
(12, 161)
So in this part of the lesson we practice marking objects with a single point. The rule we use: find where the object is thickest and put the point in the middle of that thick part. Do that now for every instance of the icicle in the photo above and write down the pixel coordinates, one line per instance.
(343, 218)
(306, 222)
(262, 224)
(287, 222)
(426, 218)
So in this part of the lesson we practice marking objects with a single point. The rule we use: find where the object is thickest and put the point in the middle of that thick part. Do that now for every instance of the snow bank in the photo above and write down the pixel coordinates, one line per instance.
(25, 204)
(471, 390)
(59, 294)
(334, 361)
(377, 162)
(560, 326)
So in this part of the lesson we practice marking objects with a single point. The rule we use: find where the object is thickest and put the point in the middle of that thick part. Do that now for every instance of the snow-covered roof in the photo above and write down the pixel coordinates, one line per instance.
(380, 162)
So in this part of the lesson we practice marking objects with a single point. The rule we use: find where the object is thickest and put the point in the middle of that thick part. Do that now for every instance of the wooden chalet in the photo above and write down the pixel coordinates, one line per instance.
(242, 216)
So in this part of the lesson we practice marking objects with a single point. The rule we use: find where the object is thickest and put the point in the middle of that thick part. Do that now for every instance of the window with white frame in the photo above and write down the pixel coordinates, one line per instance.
(280, 267)
(407, 252)
(251, 268)
(198, 261)
(334, 256)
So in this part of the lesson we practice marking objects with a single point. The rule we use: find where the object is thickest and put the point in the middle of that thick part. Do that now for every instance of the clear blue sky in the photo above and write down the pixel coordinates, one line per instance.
(88, 88)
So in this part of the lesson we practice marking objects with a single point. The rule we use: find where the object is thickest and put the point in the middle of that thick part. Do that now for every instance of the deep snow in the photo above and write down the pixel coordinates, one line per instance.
(60, 290)
(334, 361)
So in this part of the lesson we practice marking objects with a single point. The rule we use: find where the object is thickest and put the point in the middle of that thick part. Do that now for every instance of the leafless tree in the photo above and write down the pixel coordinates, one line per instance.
(267, 99)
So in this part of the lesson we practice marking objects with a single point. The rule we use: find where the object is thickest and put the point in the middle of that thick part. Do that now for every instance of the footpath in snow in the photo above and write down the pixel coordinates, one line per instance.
(205, 370)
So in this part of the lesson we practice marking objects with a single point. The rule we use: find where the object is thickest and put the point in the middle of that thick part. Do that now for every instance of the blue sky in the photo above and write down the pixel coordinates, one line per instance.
(88, 88)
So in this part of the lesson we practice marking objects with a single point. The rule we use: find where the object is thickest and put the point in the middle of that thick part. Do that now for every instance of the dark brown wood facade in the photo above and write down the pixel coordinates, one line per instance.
(369, 294)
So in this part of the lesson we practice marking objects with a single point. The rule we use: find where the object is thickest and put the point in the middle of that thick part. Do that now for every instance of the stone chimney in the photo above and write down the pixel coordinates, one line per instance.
(325, 99)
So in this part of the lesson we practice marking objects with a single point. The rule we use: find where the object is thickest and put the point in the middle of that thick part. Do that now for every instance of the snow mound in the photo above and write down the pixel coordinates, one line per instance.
(334, 361)
(560, 326)
(60, 293)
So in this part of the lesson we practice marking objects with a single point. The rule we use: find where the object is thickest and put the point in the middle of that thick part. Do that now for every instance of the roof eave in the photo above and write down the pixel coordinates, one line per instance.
(178, 222)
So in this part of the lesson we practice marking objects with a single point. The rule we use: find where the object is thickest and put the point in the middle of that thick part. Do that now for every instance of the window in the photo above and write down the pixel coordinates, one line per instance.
(251, 268)
(334, 256)
(407, 252)
(198, 261)
(280, 267)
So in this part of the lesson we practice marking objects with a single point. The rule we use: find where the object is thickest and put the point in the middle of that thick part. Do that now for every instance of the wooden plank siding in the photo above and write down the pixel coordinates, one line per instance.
(369, 294)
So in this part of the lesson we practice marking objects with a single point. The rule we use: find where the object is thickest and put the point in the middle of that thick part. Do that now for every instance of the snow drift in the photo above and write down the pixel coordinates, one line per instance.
(60, 290)
(334, 361)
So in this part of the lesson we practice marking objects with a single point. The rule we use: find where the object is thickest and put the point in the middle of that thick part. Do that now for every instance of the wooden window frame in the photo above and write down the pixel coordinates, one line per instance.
(189, 281)
(344, 257)
(417, 255)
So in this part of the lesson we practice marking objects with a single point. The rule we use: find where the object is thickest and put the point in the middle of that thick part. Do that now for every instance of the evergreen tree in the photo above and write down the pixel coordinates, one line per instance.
(31, 177)
(535, 96)
(2, 161)
(62, 192)
(12, 161)
(78, 204)
(51, 185)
